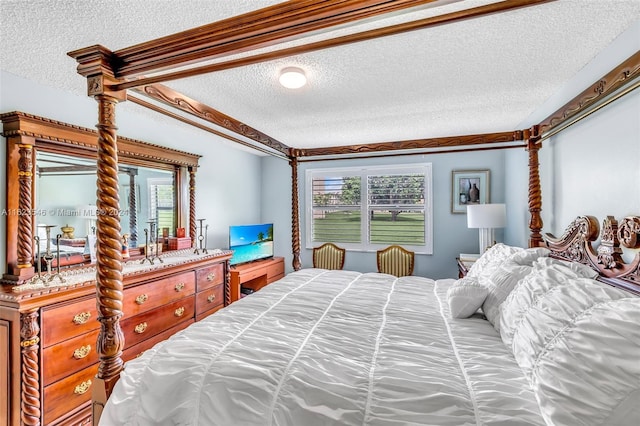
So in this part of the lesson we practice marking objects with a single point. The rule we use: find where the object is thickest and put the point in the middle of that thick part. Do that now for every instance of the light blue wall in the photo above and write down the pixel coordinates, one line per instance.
(451, 235)
(228, 189)
(276, 205)
(516, 197)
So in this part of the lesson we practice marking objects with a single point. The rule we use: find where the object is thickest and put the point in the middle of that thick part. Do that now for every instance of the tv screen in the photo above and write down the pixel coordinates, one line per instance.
(250, 242)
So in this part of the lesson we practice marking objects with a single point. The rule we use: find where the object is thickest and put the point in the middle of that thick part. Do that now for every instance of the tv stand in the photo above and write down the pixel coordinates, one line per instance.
(255, 275)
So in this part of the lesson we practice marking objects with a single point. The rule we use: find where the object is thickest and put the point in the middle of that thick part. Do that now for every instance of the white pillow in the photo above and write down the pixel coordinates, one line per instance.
(504, 279)
(547, 276)
(577, 341)
(465, 297)
(583, 362)
(499, 286)
(528, 256)
(491, 259)
(575, 268)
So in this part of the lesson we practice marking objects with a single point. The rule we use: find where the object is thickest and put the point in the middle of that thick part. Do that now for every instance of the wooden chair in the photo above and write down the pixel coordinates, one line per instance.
(328, 256)
(395, 260)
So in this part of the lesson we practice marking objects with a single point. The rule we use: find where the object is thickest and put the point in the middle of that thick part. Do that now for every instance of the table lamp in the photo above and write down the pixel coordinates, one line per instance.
(486, 217)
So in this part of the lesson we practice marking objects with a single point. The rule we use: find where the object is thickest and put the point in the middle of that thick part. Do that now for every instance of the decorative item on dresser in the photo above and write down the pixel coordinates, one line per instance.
(51, 331)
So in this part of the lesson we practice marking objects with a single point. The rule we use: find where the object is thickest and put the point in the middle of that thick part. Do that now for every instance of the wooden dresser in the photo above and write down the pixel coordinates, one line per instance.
(51, 334)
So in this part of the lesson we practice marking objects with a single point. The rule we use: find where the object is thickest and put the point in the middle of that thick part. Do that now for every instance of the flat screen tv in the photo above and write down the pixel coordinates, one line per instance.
(250, 242)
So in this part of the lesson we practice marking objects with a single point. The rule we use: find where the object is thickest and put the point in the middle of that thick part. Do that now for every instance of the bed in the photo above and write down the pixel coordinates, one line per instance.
(521, 340)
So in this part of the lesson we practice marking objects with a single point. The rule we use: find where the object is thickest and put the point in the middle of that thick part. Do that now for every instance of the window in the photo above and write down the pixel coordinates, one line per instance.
(162, 203)
(366, 209)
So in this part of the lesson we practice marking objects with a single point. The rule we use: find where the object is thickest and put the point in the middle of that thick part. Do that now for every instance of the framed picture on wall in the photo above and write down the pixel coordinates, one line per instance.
(468, 187)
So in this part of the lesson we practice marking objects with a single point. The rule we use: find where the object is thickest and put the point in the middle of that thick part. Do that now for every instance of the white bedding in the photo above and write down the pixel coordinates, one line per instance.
(329, 348)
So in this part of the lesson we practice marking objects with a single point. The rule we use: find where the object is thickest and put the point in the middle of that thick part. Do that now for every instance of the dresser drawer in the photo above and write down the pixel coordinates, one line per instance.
(68, 357)
(275, 271)
(252, 274)
(149, 296)
(67, 394)
(63, 322)
(203, 315)
(210, 276)
(148, 324)
(209, 299)
(137, 350)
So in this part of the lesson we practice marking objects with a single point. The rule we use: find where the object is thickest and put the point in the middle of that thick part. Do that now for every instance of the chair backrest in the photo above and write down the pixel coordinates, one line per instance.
(328, 256)
(395, 260)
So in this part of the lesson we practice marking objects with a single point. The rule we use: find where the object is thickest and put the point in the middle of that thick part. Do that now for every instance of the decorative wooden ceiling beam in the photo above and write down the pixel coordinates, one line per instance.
(334, 42)
(201, 126)
(260, 28)
(430, 143)
(614, 80)
(177, 100)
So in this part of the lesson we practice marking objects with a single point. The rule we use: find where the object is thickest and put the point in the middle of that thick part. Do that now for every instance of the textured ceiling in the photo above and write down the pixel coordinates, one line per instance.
(482, 75)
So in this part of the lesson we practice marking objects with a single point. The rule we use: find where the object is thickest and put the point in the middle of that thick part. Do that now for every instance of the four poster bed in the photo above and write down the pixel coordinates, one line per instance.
(341, 347)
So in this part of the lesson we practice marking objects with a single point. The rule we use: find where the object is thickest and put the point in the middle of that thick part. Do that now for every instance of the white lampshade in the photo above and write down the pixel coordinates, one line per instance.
(486, 216)
(293, 78)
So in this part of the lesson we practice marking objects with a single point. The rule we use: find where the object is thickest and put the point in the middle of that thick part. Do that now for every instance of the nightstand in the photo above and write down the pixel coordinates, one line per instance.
(465, 262)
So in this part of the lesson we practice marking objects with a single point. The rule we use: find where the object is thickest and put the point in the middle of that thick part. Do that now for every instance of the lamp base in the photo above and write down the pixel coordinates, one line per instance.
(486, 239)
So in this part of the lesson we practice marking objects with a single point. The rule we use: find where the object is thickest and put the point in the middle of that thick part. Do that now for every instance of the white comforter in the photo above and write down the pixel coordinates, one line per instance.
(329, 348)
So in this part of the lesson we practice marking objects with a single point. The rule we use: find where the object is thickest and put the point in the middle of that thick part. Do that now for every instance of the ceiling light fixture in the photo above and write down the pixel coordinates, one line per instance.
(292, 78)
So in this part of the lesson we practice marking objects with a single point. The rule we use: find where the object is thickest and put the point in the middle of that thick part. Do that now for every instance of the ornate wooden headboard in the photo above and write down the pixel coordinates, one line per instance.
(576, 244)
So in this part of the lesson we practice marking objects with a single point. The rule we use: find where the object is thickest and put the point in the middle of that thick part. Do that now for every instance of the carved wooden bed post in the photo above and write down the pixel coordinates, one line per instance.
(295, 217)
(532, 138)
(133, 215)
(109, 287)
(192, 205)
(95, 65)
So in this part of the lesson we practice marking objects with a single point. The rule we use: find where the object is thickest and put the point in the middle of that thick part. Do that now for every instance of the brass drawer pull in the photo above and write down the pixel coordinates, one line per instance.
(82, 352)
(211, 298)
(179, 312)
(211, 276)
(179, 287)
(140, 328)
(82, 387)
(81, 318)
(141, 299)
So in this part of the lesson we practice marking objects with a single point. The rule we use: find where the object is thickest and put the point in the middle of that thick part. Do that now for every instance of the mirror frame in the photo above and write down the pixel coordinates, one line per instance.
(26, 134)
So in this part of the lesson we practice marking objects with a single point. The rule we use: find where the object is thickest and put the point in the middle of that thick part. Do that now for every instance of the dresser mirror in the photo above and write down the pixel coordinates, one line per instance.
(51, 170)
(65, 198)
